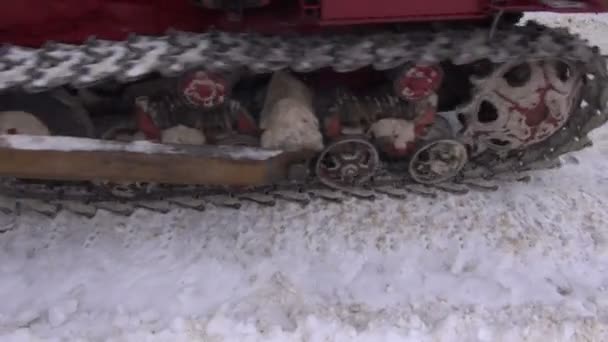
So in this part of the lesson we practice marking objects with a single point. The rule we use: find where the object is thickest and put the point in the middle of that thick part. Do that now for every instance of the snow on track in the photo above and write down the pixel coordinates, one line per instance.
(528, 263)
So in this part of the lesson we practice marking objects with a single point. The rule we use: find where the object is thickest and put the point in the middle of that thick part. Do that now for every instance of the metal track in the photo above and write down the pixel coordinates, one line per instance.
(56, 65)
(96, 61)
(85, 200)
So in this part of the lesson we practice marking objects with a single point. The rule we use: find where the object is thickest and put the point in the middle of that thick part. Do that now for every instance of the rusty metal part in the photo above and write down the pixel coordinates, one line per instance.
(390, 121)
(153, 115)
(352, 111)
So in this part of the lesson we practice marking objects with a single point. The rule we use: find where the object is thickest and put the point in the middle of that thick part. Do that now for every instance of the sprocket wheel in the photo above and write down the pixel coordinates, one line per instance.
(522, 103)
(438, 161)
(347, 162)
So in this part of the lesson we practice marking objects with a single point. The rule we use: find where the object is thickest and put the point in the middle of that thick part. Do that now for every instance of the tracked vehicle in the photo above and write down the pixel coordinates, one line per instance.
(121, 104)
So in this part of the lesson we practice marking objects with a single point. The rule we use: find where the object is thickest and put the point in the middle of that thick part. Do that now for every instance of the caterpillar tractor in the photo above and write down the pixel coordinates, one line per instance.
(126, 104)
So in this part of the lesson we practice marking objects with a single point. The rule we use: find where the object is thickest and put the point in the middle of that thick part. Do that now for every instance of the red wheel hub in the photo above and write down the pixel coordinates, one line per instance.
(202, 89)
(418, 82)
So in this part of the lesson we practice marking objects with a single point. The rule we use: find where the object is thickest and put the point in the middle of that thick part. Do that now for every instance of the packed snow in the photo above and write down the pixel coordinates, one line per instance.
(528, 263)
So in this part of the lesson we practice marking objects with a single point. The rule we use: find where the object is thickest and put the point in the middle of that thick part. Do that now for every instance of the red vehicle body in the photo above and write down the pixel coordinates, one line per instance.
(33, 22)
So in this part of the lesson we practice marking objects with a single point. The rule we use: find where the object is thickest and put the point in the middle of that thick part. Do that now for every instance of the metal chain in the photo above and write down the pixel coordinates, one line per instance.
(96, 61)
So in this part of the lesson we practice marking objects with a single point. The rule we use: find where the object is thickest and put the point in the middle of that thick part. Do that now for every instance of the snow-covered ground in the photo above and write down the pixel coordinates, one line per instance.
(529, 263)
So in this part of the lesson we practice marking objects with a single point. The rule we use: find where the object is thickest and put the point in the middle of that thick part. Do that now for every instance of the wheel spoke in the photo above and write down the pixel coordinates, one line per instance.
(353, 162)
(438, 161)
(337, 162)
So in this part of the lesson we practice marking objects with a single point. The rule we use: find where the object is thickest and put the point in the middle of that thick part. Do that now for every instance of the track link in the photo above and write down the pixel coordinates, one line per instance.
(96, 61)
(89, 204)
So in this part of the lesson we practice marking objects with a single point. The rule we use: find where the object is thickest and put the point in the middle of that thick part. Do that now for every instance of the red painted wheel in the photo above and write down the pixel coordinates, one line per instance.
(202, 89)
(522, 103)
(417, 82)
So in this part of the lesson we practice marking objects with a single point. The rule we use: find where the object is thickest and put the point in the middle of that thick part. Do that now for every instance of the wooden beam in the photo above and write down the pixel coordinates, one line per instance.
(66, 158)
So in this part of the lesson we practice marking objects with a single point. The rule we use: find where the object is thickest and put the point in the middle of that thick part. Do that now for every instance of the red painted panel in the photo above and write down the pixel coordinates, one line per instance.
(36, 12)
(370, 9)
(32, 22)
